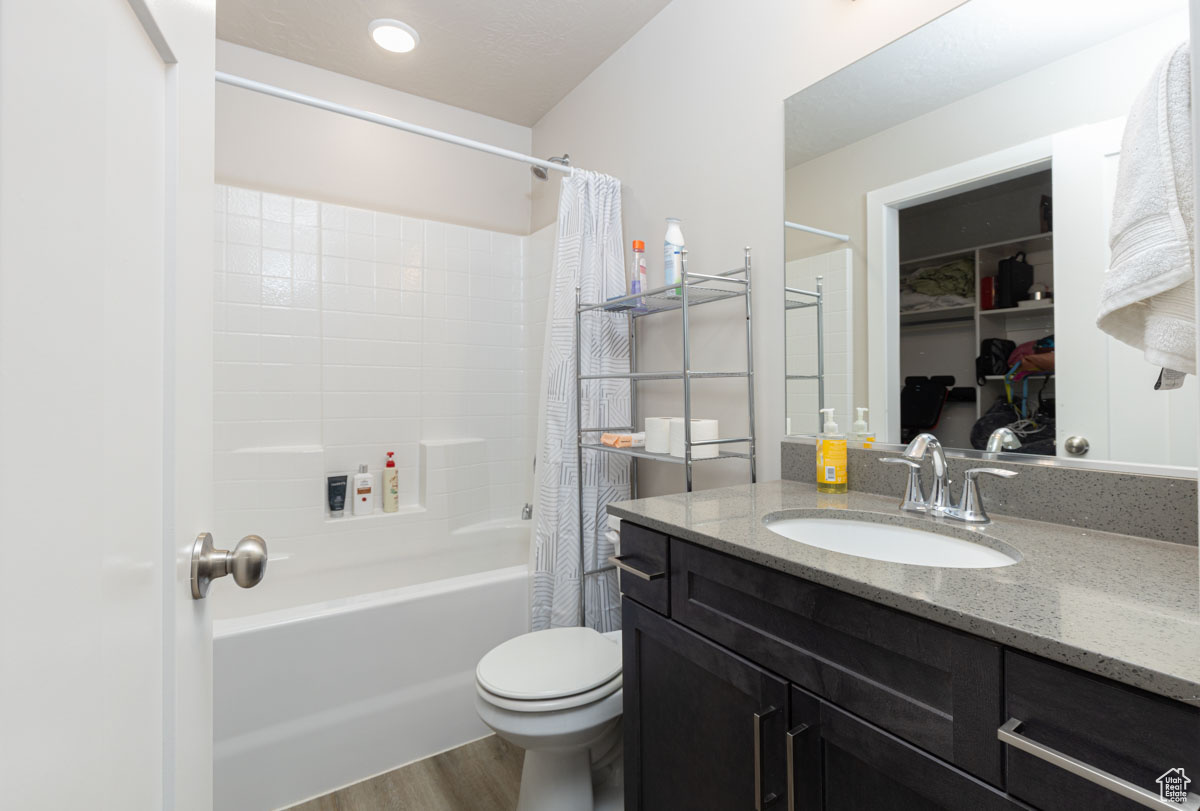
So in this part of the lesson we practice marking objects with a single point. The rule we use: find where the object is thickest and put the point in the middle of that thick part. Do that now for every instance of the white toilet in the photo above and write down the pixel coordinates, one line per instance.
(557, 695)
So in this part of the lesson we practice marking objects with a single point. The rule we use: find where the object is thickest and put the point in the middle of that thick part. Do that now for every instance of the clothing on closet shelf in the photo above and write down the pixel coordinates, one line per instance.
(1148, 298)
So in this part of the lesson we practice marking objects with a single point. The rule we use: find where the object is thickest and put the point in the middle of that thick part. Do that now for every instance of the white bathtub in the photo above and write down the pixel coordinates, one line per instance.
(326, 676)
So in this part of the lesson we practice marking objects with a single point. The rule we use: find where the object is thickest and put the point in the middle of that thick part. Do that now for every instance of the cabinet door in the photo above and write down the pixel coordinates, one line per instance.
(841, 763)
(703, 727)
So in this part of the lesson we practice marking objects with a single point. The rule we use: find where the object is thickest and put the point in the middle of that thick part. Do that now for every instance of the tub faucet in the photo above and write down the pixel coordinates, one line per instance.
(527, 512)
(939, 497)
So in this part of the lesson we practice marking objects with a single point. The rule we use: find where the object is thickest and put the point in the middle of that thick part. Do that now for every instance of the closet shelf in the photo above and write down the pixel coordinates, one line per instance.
(963, 312)
(1037, 308)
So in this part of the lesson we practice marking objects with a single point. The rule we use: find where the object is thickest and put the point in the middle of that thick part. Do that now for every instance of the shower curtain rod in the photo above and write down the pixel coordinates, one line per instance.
(795, 226)
(394, 123)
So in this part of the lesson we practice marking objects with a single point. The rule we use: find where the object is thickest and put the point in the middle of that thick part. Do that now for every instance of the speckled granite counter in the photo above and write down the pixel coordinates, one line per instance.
(1122, 607)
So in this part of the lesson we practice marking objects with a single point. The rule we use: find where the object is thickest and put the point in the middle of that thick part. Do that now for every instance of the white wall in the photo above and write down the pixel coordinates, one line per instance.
(343, 333)
(689, 115)
(1094, 85)
(280, 146)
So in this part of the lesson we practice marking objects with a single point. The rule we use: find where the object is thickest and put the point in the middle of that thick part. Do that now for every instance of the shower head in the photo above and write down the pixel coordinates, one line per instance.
(541, 173)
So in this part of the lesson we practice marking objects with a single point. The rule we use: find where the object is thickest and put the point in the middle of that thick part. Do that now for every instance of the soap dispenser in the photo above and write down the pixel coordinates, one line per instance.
(364, 491)
(861, 432)
(831, 457)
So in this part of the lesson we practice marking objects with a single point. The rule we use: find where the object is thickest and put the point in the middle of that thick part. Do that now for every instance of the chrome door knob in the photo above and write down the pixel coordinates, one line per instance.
(247, 562)
(1076, 445)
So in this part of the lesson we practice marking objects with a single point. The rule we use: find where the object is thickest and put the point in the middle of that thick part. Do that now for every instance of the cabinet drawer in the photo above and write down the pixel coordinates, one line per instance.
(841, 763)
(932, 686)
(644, 559)
(1131, 735)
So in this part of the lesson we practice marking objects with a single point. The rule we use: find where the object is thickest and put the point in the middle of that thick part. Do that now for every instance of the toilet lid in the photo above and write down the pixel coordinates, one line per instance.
(549, 664)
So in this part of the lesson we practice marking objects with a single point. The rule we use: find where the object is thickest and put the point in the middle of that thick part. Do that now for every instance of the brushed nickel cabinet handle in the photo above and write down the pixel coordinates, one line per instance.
(759, 799)
(619, 562)
(792, 734)
(1010, 735)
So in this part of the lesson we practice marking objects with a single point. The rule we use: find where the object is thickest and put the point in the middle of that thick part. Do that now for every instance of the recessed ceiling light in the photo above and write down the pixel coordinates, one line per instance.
(394, 36)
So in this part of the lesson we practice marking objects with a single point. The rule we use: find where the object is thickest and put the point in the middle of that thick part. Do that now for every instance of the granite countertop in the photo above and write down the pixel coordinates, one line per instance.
(1122, 607)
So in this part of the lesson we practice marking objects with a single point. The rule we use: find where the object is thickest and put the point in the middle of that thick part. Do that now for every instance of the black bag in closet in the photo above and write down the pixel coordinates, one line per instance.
(1013, 280)
(993, 357)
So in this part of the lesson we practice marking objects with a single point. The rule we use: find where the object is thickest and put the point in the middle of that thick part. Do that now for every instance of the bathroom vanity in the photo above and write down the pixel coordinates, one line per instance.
(765, 673)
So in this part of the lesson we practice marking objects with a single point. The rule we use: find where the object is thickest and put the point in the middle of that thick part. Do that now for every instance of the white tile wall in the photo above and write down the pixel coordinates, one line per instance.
(802, 402)
(341, 334)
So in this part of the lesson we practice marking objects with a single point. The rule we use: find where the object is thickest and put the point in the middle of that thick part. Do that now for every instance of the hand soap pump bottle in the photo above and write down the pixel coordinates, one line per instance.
(861, 432)
(364, 491)
(391, 485)
(831, 457)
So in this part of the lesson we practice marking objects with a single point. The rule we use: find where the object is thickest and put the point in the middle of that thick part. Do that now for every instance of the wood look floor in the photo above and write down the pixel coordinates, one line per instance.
(484, 775)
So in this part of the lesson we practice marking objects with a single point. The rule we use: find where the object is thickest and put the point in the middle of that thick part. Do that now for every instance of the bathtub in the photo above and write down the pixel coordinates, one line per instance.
(326, 675)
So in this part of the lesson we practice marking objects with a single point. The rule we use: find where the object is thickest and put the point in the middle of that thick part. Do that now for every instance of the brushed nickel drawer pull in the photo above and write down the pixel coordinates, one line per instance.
(1010, 735)
(759, 800)
(792, 734)
(619, 562)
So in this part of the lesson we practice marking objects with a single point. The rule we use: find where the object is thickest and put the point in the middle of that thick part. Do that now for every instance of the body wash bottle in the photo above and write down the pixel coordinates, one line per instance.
(364, 491)
(391, 485)
(831, 457)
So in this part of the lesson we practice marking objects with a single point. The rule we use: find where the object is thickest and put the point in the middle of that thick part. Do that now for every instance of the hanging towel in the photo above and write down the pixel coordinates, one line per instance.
(589, 255)
(1148, 299)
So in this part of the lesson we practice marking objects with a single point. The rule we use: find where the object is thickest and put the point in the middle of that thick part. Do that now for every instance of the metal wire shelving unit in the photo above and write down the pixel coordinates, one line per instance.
(809, 299)
(695, 289)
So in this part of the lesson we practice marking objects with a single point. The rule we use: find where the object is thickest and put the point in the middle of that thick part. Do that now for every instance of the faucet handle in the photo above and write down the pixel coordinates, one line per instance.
(970, 508)
(914, 496)
(976, 472)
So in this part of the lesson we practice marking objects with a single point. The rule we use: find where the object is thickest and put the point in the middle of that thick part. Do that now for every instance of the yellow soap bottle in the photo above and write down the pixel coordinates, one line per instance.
(831, 457)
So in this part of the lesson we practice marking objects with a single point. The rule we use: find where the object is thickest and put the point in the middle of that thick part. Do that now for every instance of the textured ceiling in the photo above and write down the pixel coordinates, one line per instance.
(512, 59)
(971, 48)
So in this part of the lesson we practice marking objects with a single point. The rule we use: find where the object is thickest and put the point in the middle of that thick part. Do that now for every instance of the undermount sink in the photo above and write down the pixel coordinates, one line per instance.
(890, 542)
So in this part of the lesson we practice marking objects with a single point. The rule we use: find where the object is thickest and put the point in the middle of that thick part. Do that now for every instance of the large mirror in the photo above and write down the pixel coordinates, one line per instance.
(950, 201)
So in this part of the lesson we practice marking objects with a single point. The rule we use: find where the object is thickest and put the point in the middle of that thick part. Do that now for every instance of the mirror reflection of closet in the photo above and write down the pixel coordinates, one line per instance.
(976, 271)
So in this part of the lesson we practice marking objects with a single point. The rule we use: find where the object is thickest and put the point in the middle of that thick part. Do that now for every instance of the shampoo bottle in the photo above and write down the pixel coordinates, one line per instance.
(831, 457)
(391, 485)
(364, 491)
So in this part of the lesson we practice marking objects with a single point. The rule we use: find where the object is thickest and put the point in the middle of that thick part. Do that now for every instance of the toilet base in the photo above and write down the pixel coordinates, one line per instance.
(556, 781)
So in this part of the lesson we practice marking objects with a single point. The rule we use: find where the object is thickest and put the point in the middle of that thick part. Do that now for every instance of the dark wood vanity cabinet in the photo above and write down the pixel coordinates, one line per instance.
(746, 688)
(703, 726)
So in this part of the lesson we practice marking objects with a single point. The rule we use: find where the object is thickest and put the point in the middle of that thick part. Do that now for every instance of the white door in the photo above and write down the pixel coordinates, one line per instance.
(1104, 388)
(106, 170)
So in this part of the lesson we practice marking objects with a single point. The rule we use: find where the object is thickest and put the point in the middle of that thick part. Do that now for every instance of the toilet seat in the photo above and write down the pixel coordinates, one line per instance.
(549, 670)
(551, 704)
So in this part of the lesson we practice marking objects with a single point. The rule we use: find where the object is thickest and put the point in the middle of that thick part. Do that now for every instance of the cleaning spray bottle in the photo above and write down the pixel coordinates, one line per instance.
(861, 432)
(831, 457)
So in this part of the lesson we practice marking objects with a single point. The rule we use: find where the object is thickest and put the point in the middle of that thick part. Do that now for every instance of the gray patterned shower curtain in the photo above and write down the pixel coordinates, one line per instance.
(589, 252)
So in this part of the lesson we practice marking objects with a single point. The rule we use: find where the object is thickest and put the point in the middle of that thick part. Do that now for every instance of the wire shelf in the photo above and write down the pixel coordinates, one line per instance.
(641, 453)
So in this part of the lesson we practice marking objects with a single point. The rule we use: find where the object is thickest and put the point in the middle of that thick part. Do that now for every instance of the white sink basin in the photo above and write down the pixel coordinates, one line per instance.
(888, 542)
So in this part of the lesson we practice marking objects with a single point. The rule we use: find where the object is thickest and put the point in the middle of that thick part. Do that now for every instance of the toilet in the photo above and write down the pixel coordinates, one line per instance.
(557, 695)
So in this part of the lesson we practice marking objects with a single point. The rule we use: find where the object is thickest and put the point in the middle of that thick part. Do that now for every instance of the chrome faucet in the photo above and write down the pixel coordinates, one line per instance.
(527, 512)
(939, 496)
(1003, 439)
(970, 507)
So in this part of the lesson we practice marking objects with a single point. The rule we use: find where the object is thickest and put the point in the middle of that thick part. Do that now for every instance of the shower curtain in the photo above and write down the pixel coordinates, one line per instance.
(589, 253)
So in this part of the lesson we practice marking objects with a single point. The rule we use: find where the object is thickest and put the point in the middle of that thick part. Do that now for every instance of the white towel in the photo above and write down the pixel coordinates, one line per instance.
(1148, 298)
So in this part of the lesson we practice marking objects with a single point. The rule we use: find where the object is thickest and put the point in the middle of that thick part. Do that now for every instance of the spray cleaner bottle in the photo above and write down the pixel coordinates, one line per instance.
(831, 457)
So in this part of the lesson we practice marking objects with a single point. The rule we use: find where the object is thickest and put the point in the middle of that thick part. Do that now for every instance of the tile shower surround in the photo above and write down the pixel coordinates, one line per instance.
(1158, 507)
(340, 334)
